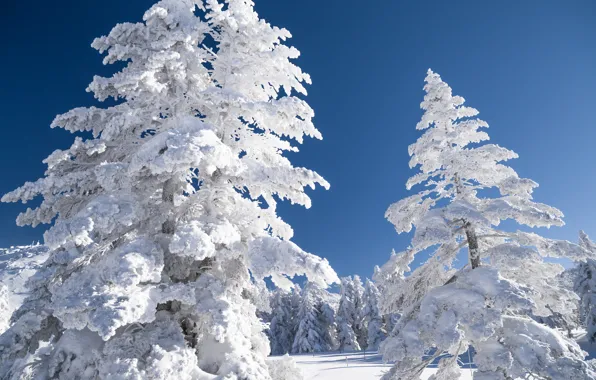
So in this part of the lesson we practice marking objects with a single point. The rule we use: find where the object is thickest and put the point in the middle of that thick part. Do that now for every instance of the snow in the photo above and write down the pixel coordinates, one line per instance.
(17, 264)
(351, 366)
(165, 229)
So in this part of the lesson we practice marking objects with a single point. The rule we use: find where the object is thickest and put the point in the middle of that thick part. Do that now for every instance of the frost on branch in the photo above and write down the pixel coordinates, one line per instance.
(165, 221)
(465, 192)
(280, 259)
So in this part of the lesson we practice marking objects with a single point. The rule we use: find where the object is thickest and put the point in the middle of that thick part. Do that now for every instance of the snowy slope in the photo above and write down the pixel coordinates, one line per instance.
(17, 264)
(350, 366)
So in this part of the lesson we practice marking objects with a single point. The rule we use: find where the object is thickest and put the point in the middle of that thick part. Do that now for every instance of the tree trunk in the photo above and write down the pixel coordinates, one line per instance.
(473, 254)
(167, 196)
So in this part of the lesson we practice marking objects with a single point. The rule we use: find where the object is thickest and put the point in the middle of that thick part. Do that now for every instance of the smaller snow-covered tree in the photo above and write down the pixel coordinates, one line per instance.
(360, 322)
(329, 324)
(585, 287)
(282, 325)
(466, 191)
(314, 320)
(388, 282)
(371, 316)
(347, 316)
(389, 279)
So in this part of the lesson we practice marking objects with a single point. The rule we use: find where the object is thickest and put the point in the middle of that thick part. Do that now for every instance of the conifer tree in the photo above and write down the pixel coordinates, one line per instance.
(360, 324)
(373, 321)
(282, 327)
(314, 320)
(347, 317)
(165, 220)
(388, 281)
(445, 309)
(328, 320)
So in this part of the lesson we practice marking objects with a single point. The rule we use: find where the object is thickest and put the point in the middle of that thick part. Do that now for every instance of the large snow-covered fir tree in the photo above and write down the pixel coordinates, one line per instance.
(585, 286)
(465, 192)
(315, 321)
(348, 315)
(165, 220)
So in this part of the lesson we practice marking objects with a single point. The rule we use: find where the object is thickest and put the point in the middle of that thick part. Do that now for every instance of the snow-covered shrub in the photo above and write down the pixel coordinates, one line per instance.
(284, 368)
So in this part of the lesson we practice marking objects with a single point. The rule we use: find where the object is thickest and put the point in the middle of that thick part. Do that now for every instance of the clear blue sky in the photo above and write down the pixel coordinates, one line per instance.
(528, 66)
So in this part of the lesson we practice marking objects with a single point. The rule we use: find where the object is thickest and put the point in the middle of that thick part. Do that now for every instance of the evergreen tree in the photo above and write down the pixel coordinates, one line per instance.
(165, 220)
(347, 316)
(282, 325)
(449, 310)
(388, 281)
(360, 323)
(371, 316)
(328, 320)
(314, 321)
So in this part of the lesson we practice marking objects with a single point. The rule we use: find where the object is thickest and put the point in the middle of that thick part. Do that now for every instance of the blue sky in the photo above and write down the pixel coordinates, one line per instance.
(527, 66)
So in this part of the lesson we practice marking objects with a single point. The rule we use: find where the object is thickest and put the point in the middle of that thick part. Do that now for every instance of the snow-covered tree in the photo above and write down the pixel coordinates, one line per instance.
(329, 324)
(585, 287)
(465, 192)
(360, 321)
(283, 324)
(315, 319)
(347, 316)
(372, 317)
(388, 281)
(165, 220)
(280, 329)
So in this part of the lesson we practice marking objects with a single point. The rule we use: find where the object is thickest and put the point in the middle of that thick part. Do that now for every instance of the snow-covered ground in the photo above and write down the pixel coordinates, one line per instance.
(350, 366)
